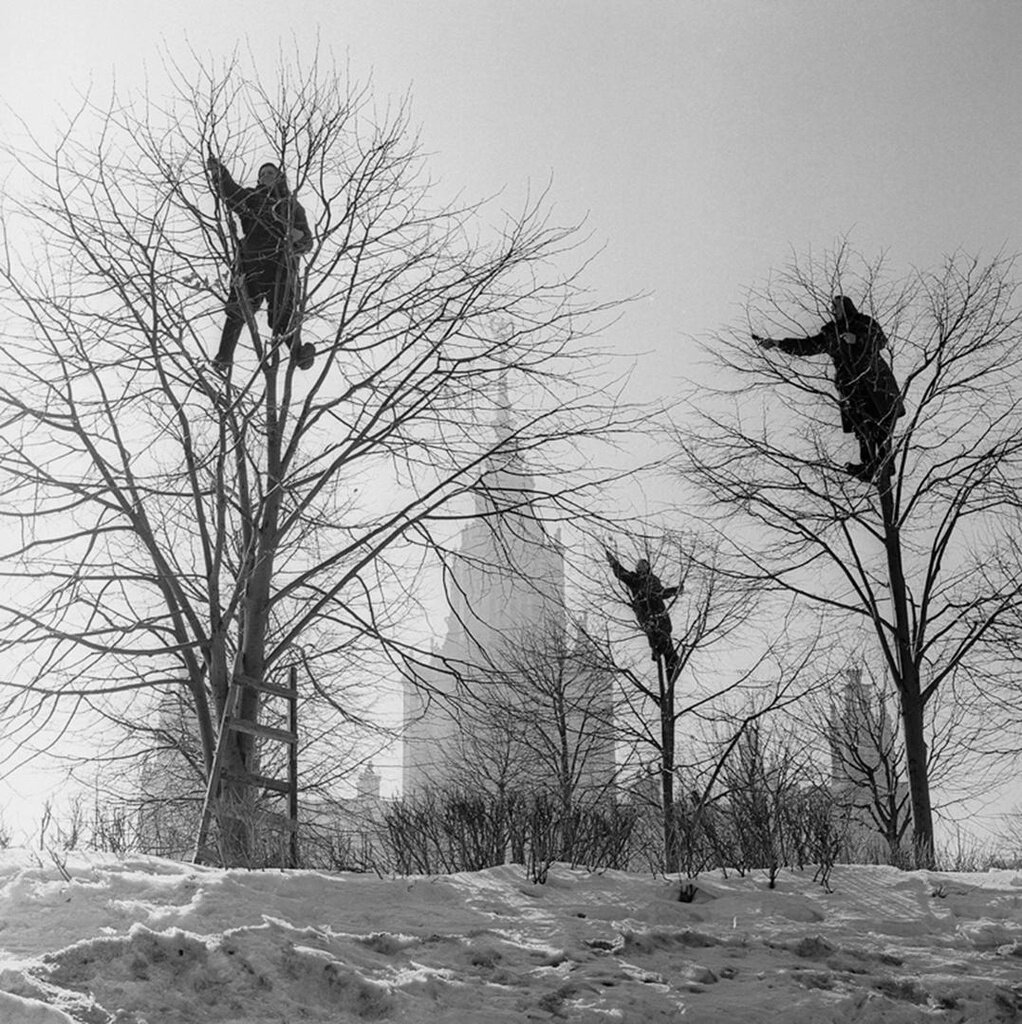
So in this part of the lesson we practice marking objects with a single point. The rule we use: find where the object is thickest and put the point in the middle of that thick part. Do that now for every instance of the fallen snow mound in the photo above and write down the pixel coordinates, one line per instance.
(151, 941)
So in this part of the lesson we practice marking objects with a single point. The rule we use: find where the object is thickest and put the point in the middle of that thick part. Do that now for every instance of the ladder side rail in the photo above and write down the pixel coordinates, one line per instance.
(292, 766)
(213, 783)
(229, 722)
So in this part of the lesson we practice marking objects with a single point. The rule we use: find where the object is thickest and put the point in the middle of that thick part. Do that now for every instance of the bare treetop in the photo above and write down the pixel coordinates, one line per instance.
(173, 528)
(919, 560)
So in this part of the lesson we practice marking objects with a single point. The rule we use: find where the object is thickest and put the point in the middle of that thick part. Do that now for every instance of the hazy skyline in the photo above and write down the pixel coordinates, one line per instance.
(702, 142)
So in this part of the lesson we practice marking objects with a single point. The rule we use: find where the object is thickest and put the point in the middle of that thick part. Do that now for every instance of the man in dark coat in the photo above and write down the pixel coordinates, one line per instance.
(649, 599)
(275, 232)
(870, 399)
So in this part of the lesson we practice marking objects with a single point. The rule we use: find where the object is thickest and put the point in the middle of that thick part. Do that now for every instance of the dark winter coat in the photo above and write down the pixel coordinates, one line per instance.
(865, 383)
(649, 595)
(273, 223)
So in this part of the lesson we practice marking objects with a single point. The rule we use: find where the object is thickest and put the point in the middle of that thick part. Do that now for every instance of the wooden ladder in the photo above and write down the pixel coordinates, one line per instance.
(230, 723)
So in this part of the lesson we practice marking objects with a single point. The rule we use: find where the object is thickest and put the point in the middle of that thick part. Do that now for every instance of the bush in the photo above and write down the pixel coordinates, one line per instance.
(448, 830)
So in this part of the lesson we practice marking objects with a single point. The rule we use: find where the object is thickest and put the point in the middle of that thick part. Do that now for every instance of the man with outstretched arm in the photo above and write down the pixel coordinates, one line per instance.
(275, 232)
(649, 599)
(869, 396)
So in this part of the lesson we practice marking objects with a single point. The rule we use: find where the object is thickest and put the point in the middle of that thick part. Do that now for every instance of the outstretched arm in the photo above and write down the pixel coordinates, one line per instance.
(814, 345)
(626, 577)
(233, 193)
(614, 564)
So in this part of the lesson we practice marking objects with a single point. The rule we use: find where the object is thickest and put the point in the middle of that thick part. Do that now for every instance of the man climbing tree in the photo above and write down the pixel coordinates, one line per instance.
(250, 546)
(649, 602)
(870, 399)
(918, 564)
(275, 232)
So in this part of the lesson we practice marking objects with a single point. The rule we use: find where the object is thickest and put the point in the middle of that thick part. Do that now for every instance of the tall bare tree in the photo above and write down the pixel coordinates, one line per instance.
(167, 528)
(694, 681)
(905, 552)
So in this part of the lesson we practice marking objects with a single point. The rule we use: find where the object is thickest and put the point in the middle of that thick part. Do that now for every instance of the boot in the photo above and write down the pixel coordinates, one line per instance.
(305, 355)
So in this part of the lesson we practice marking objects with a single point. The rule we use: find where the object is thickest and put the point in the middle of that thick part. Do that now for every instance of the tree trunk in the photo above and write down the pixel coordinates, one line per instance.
(918, 778)
(667, 768)
(567, 802)
(907, 678)
(236, 834)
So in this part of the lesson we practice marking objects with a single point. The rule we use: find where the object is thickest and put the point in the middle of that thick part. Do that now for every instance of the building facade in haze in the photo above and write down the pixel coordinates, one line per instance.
(507, 699)
(868, 776)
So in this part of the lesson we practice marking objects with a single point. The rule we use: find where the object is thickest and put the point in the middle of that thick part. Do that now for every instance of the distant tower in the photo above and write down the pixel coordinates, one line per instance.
(852, 746)
(863, 739)
(170, 787)
(867, 773)
(367, 786)
(504, 589)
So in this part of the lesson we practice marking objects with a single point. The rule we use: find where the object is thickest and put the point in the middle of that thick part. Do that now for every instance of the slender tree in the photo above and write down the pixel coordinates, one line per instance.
(901, 551)
(549, 699)
(679, 676)
(169, 527)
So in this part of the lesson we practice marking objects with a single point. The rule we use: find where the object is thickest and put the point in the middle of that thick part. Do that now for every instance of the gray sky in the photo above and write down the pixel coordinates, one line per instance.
(703, 141)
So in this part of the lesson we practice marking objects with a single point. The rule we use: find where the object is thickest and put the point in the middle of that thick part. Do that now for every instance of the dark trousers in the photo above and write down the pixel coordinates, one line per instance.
(874, 441)
(270, 279)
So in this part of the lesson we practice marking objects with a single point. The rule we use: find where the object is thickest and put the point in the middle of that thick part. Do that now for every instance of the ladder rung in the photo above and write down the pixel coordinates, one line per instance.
(272, 688)
(251, 779)
(267, 731)
(259, 817)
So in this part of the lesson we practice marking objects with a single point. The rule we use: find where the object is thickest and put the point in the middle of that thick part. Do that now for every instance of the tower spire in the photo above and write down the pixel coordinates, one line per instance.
(503, 418)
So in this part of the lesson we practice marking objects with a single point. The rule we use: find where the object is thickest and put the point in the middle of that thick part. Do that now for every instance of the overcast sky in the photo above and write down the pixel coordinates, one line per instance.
(703, 141)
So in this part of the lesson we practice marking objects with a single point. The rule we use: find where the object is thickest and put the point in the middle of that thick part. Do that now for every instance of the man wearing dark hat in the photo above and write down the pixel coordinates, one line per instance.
(275, 232)
(649, 599)
(869, 396)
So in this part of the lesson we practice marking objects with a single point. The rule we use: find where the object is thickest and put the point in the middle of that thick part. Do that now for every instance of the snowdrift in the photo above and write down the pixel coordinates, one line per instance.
(100, 939)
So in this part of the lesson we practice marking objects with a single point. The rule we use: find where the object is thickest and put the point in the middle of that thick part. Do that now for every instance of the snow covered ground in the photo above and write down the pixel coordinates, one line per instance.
(135, 940)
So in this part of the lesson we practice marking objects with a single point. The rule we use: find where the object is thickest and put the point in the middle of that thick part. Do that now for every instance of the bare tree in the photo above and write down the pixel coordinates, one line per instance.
(868, 761)
(903, 552)
(169, 530)
(1009, 836)
(857, 717)
(776, 806)
(708, 611)
(548, 704)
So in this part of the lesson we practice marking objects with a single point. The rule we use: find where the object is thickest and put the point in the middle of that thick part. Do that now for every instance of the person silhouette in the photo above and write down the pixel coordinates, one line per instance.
(649, 599)
(275, 232)
(869, 397)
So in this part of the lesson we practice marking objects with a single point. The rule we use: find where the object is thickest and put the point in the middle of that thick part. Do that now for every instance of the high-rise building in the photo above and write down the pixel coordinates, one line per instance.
(867, 765)
(484, 707)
